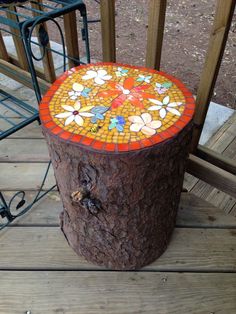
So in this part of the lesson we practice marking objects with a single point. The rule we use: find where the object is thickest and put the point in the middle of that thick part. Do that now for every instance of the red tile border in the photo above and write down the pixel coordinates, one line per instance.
(133, 145)
(49, 125)
(57, 130)
(157, 139)
(87, 141)
(76, 138)
(46, 118)
(110, 147)
(146, 142)
(98, 145)
(66, 135)
(123, 147)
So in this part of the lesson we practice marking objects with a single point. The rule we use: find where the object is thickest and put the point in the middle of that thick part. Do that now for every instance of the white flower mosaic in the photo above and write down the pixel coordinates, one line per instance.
(100, 76)
(75, 114)
(121, 72)
(143, 78)
(78, 90)
(164, 106)
(145, 124)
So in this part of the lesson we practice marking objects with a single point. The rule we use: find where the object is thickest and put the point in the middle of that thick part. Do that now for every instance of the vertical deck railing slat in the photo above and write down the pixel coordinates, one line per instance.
(218, 38)
(3, 50)
(107, 10)
(156, 24)
(71, 38)
(20, 51)
(48, 64)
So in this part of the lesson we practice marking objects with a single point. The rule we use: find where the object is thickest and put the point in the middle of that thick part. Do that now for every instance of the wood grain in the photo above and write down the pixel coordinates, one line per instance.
(220, 142)
(45, 212)
(13, 150)
(20, 50)
(30, 131)
(116, 293)
(220, 199)
(27, 175)
(48, 63)
(3, 50)
(107, 11)
(216, 159)
(195, 212)
(189, 250)
(21, 76)
(213, 175)
(71, 38)
(156, 24)
(218, 38)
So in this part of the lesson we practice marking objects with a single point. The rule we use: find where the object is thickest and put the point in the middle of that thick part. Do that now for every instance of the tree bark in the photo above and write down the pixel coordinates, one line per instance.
(119, 208)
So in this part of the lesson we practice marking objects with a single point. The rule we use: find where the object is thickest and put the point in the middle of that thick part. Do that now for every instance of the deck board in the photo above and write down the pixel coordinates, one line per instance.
(224, 142)
(190, 249)
(116, 293)
(27, 175)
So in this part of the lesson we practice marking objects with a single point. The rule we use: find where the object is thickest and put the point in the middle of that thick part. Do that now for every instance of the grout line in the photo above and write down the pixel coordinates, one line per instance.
(226, 227)
(94, 270)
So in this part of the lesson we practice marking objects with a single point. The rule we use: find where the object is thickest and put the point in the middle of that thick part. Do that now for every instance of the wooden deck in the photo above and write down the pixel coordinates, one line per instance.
(40, 273)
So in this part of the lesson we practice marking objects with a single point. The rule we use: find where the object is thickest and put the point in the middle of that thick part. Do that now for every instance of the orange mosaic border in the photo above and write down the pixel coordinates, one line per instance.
(93, 144)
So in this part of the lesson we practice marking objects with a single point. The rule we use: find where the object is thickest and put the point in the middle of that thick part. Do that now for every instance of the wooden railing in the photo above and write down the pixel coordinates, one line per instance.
(16, 67)
(204, 163)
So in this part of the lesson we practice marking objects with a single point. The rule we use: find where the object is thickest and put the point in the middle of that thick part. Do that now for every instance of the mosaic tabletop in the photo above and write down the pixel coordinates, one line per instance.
(116, 108)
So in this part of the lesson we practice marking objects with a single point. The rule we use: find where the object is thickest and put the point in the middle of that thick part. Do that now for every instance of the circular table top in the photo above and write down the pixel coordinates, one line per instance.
(111, 107)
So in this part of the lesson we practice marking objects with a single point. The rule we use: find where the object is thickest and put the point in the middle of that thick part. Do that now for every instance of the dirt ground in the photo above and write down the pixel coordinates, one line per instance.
(188, 24)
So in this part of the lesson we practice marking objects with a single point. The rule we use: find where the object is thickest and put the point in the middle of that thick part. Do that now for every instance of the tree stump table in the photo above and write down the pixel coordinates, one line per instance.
(118, 137)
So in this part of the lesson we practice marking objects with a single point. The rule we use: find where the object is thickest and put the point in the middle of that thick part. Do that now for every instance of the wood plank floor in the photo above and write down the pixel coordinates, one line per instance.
(40, 273)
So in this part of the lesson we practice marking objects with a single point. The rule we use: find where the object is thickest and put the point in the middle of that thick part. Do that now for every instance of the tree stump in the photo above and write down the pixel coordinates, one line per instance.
(118, 137)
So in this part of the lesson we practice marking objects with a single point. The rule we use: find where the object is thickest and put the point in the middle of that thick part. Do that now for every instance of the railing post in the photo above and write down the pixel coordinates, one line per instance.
(107, 9)
(20, 50)
(48, 64)
(218, 38)
(3, 50)
(156, 23)
(71, 38)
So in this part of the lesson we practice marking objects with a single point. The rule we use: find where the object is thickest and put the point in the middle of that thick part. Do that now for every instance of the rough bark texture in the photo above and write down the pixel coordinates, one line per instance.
(119, 209)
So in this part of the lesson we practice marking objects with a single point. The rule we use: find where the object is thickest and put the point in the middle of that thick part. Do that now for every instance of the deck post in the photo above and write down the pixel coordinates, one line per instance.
(48, 64)
(107, 9)
(156, 23)
(3, 50)
(218, 38)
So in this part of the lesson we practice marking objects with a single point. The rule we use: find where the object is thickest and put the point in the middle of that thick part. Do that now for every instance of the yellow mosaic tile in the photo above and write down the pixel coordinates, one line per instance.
(116, 104)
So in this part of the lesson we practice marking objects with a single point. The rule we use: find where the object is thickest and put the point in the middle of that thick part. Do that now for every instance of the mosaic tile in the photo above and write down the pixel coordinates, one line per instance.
(116, 107)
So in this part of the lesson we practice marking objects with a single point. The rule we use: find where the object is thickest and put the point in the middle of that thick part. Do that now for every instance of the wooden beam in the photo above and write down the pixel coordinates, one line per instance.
(107, 9)
(115, 292)
(156, 23)
(213, 175)
(218, 38)
(3, 50)
(216, 159)
(71, 38)
(20, 50)
(190, 249)
(48, 64)
(21, 76)
(39, 71)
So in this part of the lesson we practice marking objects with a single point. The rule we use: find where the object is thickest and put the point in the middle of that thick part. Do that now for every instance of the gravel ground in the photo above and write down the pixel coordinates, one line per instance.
(188, 24)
